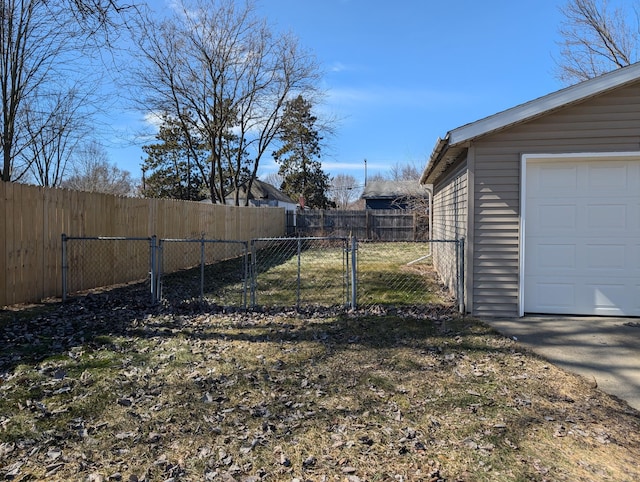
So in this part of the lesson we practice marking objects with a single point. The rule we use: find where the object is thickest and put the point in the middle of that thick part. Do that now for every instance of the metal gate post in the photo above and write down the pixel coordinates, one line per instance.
(153, 269)
(299, 263)
(461, 306)
(246, 275)
(346, 271)
(354, 273)
(65, 267)
(159, 268)
(253, 274)
(202, 268)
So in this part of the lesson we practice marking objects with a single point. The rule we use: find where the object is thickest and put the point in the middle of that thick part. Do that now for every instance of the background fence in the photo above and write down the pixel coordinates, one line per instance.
(33, 219)
(371, 224)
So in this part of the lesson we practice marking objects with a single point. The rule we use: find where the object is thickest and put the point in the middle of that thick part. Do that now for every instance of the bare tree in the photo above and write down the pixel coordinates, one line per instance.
(274, 178)
(405, 172)
(226, 76)
(376, 177)
(344, 190)
(41, 52)
(55, 127)
(99, 18)
(417, 201)
(93, 172)
(595, 40)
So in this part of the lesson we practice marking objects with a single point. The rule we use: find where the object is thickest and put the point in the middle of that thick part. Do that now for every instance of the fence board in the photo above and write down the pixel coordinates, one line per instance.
(37, 261)
(34, 219)
(48, 248)
(12, 267)
(4, 221)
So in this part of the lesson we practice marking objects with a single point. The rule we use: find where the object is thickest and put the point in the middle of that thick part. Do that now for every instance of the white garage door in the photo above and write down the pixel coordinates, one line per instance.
(582, 236)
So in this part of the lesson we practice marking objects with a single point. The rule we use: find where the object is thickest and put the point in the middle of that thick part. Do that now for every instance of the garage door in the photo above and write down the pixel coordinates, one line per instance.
(582, 236)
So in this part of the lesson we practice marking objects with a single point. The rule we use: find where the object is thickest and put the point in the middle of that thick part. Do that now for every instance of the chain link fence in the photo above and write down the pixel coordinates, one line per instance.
(270, 272)
(402, 274)
(208, 269)
(98, 262)
(300, 271)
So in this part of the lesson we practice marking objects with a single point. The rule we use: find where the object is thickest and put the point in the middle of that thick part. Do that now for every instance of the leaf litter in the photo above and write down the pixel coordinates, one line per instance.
(110, 388)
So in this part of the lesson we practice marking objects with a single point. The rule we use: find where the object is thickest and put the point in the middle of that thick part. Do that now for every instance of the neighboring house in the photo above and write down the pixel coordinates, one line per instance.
(263, 194)
(547, 197)
(388, 194)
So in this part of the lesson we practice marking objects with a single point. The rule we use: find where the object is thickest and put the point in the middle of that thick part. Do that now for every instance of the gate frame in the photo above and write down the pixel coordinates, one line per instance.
(152, 259)
(349, 274)
(459, 267)
(202, 241)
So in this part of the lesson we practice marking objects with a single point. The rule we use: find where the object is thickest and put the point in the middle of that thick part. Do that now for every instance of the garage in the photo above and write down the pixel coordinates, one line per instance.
(581, 234)
(546, 195)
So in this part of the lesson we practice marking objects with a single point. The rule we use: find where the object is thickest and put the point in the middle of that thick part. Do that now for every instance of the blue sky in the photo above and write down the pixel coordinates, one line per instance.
(399, 74)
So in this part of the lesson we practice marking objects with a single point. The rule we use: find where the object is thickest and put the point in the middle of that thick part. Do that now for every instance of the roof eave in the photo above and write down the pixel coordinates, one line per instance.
(457, 139)
(547, 103)
(435, 158)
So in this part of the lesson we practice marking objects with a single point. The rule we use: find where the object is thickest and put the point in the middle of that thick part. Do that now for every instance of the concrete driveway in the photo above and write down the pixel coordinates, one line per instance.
(607, 349)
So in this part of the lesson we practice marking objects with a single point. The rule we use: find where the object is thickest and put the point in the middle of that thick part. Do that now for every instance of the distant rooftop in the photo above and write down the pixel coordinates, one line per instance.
(261, 190)
(390, 189)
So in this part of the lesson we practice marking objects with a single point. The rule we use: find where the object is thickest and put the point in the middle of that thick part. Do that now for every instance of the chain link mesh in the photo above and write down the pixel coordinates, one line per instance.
(300, 271)
(105, 262)
(211, 270)
(273, 272)
(400, 273)
(448, 261)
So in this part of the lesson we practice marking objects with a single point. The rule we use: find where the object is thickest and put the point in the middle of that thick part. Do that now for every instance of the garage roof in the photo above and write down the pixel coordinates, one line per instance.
(455, 143)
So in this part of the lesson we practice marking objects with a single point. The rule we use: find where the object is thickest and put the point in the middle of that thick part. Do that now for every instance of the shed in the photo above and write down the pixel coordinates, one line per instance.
(384, 194)
(547, 197)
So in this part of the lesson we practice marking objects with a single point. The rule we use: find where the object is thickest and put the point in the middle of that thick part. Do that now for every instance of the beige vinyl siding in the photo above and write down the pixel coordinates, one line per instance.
(450, 209)
(607, 123)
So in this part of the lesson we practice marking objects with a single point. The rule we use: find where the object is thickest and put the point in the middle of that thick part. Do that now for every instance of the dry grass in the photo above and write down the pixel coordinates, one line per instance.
(416, 394)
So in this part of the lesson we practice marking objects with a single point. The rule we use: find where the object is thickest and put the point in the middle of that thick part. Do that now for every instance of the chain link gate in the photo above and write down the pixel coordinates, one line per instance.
(211, 269)
(296, 271)
(98, 262)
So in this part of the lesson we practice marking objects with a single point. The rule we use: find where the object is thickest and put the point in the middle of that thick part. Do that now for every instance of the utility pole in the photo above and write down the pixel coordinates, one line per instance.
(365, 172)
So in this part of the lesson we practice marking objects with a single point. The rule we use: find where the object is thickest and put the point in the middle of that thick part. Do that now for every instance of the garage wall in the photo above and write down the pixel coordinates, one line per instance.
(610, 122)
(450, 210)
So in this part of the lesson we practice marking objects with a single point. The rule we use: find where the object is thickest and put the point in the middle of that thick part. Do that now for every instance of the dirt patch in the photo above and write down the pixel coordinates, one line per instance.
(110, 388)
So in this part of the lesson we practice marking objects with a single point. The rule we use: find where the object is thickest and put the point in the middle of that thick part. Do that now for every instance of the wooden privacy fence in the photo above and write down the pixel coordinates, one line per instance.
(372, 224)
(34, 218)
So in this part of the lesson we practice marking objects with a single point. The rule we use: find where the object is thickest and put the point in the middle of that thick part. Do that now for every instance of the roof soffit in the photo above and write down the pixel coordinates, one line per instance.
(450, 157)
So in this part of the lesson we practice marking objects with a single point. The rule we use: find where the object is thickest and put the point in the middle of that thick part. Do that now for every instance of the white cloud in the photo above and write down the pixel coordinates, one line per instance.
(339, 67)
(386, 96)
(342, 166)
(153, 119)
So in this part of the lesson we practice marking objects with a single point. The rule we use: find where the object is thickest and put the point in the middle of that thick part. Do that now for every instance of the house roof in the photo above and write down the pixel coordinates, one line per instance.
(389, 189)
(263, 190)
(448, 150)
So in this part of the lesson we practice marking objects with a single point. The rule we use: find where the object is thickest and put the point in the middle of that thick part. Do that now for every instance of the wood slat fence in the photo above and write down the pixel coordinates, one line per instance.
(34, 218)
(371, 224)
